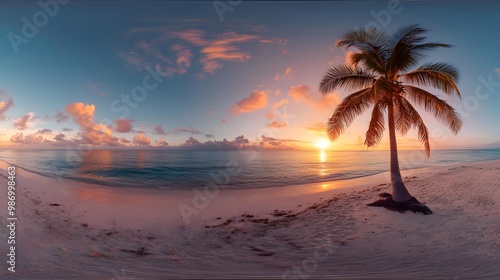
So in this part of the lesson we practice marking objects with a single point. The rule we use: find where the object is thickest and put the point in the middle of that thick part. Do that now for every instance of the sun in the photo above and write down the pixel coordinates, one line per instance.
(322, 144)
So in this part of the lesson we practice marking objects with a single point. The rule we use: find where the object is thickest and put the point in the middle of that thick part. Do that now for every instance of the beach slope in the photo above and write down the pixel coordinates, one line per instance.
(67, 229)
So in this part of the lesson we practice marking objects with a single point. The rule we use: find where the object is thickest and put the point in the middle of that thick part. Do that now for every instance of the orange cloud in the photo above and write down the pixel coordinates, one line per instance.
(286, 75)
(272, 114)
(141, 140)
(302, 93)
(317, 127)
(277, 124)
(257, 100)
(95, 134)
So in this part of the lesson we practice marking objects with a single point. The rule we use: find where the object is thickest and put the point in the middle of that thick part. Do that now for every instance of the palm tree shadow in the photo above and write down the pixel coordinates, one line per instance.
(411, 205)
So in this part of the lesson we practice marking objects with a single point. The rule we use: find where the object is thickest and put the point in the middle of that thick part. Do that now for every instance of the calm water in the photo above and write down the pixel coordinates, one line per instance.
(187, 169)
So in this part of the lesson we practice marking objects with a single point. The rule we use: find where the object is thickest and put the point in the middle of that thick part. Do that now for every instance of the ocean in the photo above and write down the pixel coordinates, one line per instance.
(176, 169)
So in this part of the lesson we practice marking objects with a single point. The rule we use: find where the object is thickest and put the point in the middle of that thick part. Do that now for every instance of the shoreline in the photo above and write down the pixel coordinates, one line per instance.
(89, 224)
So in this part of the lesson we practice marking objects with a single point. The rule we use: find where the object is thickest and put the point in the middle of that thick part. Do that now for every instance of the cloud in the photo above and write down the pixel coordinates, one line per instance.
(67, 129)
(190, 130)
(183, 60)
(124, 141)
(241, 142)
(319, 127)
(159, 130)
(172, 49)
(161, 143)
(277, 124)
(274, 113)
(209, 136)
(6, 102)
(24, 121)
(286, 75)
(123, 125)
(302, 93)
(257, 100)
(60, 137)
(237, 143)
(29, 139)
(275, 143)
(61, 117)
(191, 142)
(91, 133)
(44, 131)
(141, 140)
(223, 121)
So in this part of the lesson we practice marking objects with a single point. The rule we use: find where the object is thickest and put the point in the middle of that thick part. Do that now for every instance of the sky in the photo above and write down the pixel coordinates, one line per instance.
(221, 74)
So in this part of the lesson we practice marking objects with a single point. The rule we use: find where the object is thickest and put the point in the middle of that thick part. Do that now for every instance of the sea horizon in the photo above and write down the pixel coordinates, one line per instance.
(188, 169)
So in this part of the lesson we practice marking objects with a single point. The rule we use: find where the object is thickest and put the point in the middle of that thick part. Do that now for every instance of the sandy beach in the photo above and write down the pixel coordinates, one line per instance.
(67, 229)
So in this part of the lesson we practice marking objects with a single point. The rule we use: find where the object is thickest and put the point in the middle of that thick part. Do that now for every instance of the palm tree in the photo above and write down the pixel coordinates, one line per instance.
(384, 76)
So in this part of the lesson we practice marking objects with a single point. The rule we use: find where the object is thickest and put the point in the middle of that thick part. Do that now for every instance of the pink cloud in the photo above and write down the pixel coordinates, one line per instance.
(29, 139)
(123, 125)
(257, 100)
(60, 137)
(44, 131)
(24, 121)
(141, 140)
(162, 143)
(159, 130)
(5, 104)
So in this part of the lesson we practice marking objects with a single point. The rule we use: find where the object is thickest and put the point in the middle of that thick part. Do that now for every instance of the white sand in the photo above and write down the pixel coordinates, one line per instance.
(116, 233)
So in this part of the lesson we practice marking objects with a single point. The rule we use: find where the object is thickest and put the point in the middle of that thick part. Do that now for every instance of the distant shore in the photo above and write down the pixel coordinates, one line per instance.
(69, 228)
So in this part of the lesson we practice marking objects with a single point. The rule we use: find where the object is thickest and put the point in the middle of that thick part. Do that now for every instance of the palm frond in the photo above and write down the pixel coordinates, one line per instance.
(372, 61)
(376, 128)
(363, 39)
(431, 45)
(403, 117)
(351, 107)
(434, 105)
(406, 50)
(343, 76)
(418, 123)
(442, 76)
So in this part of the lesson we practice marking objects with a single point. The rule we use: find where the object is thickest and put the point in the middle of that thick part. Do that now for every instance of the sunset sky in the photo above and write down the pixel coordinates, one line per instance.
(255, 72)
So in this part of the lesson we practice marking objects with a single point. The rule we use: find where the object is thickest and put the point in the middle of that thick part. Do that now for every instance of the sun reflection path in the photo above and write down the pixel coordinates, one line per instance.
(322, 156)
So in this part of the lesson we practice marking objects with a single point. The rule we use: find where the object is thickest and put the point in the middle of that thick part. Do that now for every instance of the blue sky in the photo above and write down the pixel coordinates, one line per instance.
(254, 73)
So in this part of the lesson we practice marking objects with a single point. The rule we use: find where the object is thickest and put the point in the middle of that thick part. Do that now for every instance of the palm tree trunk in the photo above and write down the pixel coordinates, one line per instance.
(399, 191)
